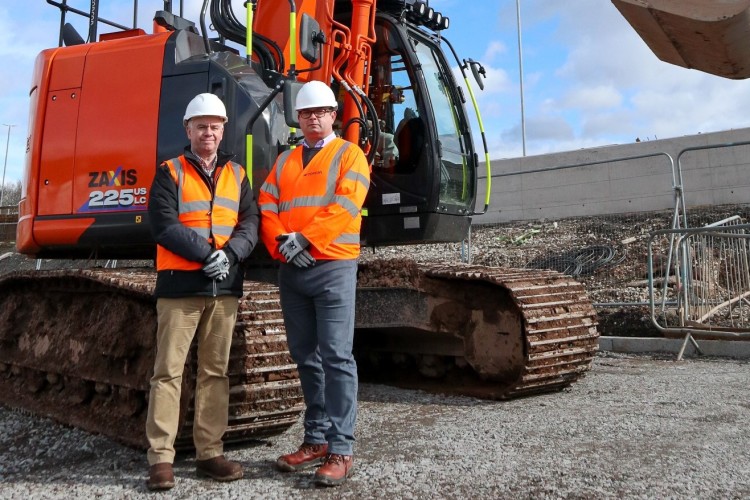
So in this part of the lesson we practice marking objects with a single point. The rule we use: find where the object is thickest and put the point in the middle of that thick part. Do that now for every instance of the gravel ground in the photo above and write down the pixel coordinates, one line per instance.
(634, 427)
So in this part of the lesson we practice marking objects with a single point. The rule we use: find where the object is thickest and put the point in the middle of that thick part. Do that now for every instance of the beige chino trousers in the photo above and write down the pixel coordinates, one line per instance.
(212, 319)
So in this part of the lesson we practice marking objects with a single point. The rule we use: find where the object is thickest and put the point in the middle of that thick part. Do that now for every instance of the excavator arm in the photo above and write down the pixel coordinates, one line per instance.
(705, 35)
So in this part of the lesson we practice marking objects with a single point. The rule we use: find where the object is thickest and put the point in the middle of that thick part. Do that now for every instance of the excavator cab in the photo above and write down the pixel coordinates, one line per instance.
(424, 189)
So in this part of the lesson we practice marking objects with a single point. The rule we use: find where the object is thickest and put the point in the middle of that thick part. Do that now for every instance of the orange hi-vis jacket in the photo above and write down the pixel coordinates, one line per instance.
(322, 201)
(211, 215)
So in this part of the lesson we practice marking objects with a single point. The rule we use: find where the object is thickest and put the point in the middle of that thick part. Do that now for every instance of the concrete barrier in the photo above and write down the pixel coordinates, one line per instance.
(623, 178)
(651, 345)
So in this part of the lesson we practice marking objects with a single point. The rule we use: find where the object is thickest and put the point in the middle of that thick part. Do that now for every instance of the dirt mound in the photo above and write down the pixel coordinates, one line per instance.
(394, 273)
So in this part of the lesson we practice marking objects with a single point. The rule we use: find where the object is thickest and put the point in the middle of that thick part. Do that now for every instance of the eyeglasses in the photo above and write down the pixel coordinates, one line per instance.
(307, 113)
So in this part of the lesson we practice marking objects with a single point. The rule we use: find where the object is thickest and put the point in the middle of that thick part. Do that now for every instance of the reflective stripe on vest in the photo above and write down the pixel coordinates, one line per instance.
(330, 195)
(273, 189)
(297, 200)
(213, 221)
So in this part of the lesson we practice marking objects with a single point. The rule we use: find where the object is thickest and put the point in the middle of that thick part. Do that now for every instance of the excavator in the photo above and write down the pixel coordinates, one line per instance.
(77, 344)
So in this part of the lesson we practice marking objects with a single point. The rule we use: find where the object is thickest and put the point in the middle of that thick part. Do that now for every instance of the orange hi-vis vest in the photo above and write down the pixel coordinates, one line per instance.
(213, 217)
(323, 200)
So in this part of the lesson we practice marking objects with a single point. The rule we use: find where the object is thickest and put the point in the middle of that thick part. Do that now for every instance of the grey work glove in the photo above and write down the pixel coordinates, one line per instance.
(290, 245)
(303, 259)
(217, 265)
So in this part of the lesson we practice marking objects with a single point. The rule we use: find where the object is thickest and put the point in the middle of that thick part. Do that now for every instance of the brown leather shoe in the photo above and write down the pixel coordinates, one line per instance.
(160, 477)
(218, 468)
(306, 456)
(335, 470)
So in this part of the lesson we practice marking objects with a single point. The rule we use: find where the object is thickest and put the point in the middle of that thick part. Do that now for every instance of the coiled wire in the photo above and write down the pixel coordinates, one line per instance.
(580, 262)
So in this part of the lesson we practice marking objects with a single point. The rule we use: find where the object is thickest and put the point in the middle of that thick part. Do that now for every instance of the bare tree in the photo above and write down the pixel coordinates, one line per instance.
(11, 196)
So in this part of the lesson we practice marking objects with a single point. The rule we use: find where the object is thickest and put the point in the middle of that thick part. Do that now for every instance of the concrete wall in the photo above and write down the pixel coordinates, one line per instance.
(621, 178)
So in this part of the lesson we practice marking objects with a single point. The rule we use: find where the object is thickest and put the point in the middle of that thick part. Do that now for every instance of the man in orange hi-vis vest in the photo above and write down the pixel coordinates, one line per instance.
(310, 208)
(205, 222)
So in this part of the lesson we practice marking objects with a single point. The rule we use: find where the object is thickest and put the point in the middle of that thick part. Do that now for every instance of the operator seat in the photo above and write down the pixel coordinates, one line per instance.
(410, 136)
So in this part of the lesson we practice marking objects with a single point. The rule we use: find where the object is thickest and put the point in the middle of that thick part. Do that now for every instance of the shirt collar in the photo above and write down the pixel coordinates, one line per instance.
(207, 167)
(321, 142)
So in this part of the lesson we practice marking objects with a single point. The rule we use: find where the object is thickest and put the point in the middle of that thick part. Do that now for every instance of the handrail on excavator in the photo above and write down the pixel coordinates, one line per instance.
(93, 16)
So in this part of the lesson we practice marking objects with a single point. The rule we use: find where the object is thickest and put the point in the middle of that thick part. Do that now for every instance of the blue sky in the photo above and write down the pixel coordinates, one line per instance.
(588, 78)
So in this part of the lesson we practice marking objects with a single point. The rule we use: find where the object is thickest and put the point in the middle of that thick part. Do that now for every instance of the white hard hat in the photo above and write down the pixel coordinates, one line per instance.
(205, 105)
(315, 94)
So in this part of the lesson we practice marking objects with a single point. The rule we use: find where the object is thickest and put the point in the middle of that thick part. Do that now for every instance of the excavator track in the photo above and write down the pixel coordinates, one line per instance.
(488, 332)
(78, 346)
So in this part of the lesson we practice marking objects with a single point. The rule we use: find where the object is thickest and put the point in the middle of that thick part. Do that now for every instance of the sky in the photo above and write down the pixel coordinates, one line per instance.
(588, 78)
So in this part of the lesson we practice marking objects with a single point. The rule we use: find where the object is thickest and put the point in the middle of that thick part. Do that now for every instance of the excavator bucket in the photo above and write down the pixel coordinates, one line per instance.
(705, 35)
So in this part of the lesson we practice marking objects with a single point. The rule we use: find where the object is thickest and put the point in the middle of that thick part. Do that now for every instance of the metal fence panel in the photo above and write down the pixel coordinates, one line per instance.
(8, 223)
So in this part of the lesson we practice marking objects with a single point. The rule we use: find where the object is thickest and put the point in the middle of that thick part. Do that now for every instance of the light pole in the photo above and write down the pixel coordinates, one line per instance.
(520, 76)
(5, 164)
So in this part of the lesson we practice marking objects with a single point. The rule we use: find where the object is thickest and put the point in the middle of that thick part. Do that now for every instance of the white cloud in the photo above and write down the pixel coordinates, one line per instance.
(548, 128)
(497, 81)
(592, 98)
(600, 125)
(610, 88)
(494, 49)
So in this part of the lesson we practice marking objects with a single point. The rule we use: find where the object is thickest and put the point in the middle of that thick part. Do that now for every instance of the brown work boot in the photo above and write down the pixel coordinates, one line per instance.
(218, 468)
(160, 477)
(306, 456)
(334, 470)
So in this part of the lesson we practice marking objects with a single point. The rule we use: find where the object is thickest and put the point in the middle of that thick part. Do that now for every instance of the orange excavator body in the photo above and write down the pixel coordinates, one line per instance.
(83, 160)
